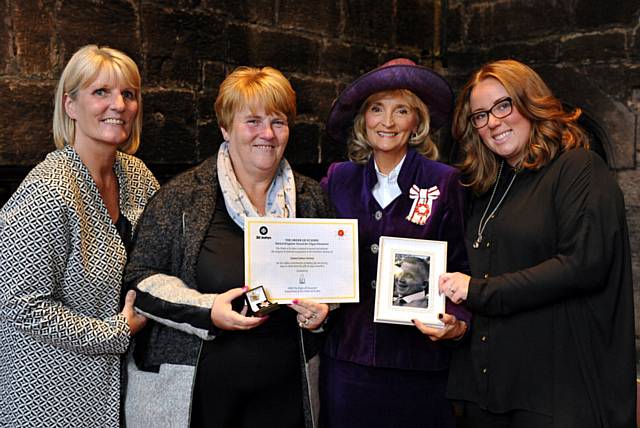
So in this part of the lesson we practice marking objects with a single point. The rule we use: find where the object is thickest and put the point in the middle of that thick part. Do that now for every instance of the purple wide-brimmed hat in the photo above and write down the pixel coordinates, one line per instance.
(399, 73)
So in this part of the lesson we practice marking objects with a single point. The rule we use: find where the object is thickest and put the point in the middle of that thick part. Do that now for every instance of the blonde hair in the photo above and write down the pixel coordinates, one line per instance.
(82, 69)
(358, 146)
(252, 87)
(553, 130)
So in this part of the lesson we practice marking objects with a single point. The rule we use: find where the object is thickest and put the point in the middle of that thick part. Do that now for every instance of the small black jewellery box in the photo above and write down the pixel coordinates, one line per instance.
(258, 301)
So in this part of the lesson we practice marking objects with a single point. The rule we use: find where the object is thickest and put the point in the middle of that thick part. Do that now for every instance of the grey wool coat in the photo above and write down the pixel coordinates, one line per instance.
(61, 263)
(162, 269)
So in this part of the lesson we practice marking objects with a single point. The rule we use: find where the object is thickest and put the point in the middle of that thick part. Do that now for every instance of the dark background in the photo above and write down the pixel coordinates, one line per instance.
(587, 50)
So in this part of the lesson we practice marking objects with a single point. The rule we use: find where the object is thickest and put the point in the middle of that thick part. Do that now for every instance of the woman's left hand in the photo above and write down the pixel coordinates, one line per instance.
(135, 320)
(453, 328)
(454, 285)
(311, 315)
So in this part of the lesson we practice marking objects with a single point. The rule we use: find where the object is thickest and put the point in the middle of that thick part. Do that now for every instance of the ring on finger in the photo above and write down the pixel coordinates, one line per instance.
(313, 316)
(304, 323)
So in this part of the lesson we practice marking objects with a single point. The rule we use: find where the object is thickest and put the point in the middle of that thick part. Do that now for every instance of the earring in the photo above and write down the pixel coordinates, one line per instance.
(413, 135)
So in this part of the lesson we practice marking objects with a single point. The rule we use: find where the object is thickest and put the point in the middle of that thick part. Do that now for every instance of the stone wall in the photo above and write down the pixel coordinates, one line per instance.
(587, 50)
(184, 50)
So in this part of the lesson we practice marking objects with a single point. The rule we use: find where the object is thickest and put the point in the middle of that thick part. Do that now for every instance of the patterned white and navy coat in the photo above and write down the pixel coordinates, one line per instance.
(61, 263)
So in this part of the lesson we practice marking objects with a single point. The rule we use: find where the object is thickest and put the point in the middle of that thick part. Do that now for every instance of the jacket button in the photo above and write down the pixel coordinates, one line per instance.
(378, 215)
(483, 338)
(374, 248)
(373, 284)
(488, 244)
(484, 371)
(486, 275)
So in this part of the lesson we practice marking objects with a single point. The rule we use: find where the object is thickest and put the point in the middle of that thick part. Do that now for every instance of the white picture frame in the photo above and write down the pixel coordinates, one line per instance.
(405, 264)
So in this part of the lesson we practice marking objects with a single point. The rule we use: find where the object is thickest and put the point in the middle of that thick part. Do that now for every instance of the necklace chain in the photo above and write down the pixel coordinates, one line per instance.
(483, 222)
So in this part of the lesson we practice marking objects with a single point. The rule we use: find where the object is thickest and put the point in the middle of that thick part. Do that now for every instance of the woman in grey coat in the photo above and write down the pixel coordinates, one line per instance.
(63, 245)
(203, 362)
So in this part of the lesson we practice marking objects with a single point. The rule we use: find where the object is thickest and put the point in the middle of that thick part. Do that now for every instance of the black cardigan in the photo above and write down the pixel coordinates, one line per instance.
(552, 297)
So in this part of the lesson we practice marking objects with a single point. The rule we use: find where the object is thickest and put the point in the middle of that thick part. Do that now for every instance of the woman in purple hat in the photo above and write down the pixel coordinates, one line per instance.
(382, 375)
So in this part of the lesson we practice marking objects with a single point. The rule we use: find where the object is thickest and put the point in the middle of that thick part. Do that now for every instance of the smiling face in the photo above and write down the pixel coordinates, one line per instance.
(389, 122)
(412, 278)
(506, 137)
(256, 142)
(104, 112)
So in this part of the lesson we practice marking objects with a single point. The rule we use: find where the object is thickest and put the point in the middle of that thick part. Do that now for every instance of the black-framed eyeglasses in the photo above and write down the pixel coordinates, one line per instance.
(501, 109)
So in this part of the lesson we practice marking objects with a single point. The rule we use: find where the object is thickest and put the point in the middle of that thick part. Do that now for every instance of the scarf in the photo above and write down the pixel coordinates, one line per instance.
(281, 196)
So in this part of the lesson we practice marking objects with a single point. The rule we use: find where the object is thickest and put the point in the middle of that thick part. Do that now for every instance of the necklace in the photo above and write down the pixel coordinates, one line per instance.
(483, 222)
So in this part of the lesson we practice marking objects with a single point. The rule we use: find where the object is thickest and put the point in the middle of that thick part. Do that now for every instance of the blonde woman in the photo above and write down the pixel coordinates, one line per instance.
(63, 245)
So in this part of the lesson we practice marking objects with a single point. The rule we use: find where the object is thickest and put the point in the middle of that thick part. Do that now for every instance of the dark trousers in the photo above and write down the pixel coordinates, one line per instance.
(472, 416)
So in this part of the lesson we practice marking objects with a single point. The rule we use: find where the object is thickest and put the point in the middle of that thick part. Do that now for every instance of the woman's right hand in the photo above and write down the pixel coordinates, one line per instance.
(225, 318)
(134, 319)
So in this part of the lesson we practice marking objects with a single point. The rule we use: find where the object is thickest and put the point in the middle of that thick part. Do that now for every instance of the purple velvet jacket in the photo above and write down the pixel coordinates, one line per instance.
(354, 337)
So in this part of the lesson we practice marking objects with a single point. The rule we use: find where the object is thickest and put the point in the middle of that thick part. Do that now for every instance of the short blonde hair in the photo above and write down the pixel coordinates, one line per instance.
(358, 145)
(82, 69)
(553, 130)
(252, 87)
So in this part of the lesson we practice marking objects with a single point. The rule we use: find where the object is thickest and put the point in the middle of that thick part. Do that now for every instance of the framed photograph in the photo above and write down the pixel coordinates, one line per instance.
(407, 281)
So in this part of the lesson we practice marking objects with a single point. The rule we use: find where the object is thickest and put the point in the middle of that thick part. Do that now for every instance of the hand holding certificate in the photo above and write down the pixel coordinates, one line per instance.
(302, 258)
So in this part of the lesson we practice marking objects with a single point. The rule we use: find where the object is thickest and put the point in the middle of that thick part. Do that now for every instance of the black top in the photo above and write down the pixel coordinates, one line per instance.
(123, 226)
(553, 325)
(241, 372)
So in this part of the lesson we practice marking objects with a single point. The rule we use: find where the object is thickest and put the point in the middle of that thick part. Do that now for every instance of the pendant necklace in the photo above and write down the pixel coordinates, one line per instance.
(483, 222)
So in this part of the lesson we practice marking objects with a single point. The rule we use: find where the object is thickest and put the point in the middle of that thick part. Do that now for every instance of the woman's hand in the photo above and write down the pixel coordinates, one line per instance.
(311, 315)
(134, 319)
(454, 285)
(453, 328)
(225, 318)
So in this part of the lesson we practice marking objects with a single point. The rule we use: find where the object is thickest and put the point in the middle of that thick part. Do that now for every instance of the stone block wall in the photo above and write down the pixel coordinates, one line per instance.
(587, 50)
(184, 50)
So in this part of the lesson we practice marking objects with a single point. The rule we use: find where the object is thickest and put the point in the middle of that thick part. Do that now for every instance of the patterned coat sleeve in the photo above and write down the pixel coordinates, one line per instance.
(34, 246)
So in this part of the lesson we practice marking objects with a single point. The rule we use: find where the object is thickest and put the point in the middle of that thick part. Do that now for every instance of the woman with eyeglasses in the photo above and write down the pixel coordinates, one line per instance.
(551, 341)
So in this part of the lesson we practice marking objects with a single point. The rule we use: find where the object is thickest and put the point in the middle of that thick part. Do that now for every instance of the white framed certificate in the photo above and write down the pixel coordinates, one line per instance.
(407, 281)
(302, 258)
